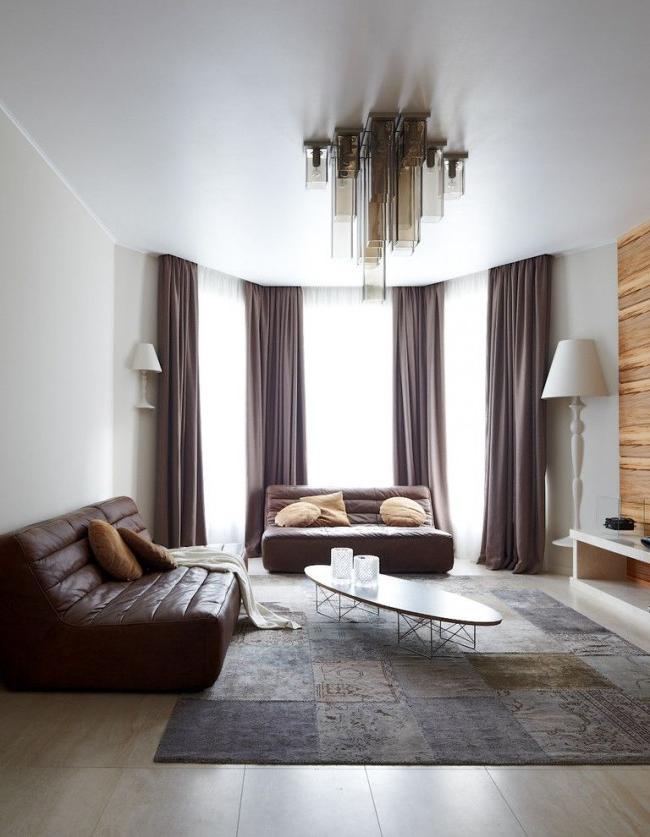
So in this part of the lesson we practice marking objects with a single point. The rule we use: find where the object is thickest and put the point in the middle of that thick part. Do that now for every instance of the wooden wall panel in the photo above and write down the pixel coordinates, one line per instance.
(634, 375)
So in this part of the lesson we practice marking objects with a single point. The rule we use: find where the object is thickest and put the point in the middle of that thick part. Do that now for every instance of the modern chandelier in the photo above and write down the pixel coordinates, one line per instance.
(386, 180)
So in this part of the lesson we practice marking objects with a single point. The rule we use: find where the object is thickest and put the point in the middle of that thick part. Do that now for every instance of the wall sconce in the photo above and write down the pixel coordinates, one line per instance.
(145, 360)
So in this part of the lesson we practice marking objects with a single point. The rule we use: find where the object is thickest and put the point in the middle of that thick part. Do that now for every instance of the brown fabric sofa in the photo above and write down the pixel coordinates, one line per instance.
(65, 625)
(420, 549)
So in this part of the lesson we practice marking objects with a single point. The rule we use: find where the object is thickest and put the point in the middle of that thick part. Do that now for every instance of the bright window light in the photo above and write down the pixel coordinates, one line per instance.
(349, 389)
(465, 362)
(222, 370)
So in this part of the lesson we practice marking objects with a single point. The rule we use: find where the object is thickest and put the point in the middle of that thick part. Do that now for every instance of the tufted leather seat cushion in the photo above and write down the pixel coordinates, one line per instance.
(65, 624)
(400, 549)
(186, 593)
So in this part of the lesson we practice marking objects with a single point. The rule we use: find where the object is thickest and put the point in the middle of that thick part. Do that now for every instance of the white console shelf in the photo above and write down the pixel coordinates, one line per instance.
(600, 567)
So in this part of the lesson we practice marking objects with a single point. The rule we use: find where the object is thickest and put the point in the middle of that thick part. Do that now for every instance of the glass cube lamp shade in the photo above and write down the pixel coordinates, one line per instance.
(433, 185)
(408, 210)
(373, 219)
(454, 176)
(376, 197)
(316, 159)
(344, 165)
(374, 276)
(342, 560)
(377, 162)
(366, 570)
(411, 153)
(343, 218)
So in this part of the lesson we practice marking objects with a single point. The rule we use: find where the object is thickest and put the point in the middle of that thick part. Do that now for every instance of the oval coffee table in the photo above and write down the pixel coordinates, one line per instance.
(444, 617)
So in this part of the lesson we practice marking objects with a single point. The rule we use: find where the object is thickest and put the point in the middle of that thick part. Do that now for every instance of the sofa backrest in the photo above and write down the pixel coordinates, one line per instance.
(47, 567)
(362, 504)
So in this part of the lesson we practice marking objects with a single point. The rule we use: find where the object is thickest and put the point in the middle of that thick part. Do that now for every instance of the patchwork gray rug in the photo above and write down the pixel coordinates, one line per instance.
(547, 686)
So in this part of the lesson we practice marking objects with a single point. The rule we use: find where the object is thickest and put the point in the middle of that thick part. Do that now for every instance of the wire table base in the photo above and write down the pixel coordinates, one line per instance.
(418, 635)
(340, 610)
(436, 635)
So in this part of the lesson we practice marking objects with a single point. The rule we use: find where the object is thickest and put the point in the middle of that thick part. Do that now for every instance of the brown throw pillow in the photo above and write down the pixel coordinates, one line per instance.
(150, 555)
(401, 511)
(332, 509)
(297, 514)
(111, 551)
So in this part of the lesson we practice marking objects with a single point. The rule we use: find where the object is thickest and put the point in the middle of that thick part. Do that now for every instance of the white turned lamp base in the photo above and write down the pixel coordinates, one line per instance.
(577, 455)
(575, 369)
(144, 403)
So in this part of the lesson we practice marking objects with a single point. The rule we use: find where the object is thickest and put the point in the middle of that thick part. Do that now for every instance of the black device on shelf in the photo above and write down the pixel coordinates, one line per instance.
(621, 524)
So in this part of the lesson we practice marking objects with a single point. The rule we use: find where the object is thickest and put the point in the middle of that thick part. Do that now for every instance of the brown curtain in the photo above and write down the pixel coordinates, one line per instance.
(419, 394)
(180, 514)
(275, 396)
(519, 297)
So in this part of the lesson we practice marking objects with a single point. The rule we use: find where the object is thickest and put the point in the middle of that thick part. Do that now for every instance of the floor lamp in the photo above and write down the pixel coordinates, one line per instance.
(575, 373)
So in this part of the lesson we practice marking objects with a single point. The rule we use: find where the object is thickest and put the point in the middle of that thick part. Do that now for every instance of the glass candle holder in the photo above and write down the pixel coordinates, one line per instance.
(342, 558)
(366, 570)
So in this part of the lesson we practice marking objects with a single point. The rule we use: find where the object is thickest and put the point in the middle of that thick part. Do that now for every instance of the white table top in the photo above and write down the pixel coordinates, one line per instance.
(411, 597)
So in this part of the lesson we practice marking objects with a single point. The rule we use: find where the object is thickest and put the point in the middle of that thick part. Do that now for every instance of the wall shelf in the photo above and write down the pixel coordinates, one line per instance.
(600, 568)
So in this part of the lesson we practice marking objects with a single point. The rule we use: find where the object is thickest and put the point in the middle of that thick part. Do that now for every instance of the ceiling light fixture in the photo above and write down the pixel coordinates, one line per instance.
(387, 179)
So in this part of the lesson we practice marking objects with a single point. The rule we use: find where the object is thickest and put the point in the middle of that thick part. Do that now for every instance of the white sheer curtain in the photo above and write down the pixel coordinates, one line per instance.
(465, 361)
(348, 389)
(222, 376)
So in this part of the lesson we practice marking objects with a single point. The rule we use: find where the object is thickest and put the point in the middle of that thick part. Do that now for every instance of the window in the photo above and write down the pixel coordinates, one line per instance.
(348, 388)
(465, 370)
(222, 377)
(349, 398)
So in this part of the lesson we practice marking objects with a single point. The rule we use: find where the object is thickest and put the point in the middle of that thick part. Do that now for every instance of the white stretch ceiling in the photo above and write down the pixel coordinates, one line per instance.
(180, 124)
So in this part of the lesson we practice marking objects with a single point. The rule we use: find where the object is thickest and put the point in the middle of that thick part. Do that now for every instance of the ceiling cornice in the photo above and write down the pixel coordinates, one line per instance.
(30, 139)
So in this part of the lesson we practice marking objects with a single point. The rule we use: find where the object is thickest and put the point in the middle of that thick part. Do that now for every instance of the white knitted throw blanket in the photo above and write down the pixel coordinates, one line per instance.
(222, 562)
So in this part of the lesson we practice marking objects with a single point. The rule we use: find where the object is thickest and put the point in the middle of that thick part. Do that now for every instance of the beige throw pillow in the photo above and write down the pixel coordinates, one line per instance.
(111, 552)
(332, 509)
(297, 514)
(401, 511)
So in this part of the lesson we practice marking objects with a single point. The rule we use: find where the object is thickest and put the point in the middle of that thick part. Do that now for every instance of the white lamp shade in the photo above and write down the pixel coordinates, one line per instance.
(575, 371)
(145, 358)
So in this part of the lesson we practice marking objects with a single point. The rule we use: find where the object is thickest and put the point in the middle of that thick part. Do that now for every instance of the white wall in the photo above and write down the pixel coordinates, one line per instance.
(56, 342)
(135, 430)
(584, 304)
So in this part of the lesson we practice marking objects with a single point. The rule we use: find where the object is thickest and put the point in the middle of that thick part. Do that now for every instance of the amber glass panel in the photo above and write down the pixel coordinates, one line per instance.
(433, 205)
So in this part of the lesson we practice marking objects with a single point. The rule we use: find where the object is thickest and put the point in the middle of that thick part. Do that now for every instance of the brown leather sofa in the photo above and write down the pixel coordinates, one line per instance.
(64, 624)
(420, 549)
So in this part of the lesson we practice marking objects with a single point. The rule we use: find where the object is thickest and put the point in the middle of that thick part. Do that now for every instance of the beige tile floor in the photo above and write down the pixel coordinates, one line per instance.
(75, 764)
